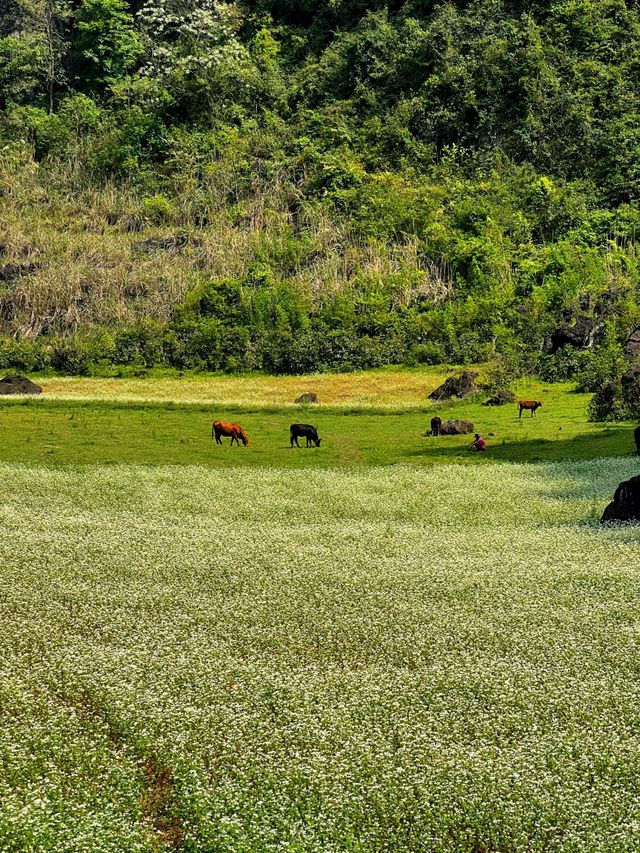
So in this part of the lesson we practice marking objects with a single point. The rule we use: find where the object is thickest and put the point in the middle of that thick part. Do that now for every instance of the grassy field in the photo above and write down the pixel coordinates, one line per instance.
(384, 388)
(204, 649)
(361, 659)
(108, 426)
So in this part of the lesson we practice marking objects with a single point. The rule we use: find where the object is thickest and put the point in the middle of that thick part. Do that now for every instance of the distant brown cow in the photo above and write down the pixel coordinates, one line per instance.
(529, 405)
(436, 426)
(220, 428)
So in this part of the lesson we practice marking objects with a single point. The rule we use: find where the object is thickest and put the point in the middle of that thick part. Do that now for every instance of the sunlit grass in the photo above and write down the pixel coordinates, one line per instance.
(394, 388)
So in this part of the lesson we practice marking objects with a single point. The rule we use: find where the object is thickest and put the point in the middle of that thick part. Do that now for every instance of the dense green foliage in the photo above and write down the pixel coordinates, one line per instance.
(352, 183)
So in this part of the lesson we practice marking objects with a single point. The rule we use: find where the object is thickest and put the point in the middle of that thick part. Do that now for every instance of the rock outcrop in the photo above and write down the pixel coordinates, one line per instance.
(13, 383)
(625, 506)
(500, 398)
(456, 427)
(307, 398)
(580, 335)
(457, 386)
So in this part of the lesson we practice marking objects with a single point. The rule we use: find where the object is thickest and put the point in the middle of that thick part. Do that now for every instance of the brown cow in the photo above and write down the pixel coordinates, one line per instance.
(529, 405)
(220, 428)
(436, 426)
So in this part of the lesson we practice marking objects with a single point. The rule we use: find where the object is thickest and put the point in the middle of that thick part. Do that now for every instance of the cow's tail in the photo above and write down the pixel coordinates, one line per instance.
(213, 426)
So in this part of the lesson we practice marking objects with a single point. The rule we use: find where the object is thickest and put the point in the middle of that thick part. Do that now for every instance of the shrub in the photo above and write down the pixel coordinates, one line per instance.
(432, 352)
(157, 209)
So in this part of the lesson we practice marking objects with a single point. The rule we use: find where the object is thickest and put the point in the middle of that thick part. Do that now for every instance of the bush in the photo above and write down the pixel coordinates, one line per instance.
(141, 344)
(606, 403)
(429, 353)
(24, 355)
(157, 209)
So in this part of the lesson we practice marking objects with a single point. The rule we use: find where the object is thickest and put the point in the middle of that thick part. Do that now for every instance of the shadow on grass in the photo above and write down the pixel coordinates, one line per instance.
(584, 446)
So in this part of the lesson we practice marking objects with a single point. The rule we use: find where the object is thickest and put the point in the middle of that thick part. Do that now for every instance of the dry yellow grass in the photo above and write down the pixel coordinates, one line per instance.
(93, 266)
(393, 388)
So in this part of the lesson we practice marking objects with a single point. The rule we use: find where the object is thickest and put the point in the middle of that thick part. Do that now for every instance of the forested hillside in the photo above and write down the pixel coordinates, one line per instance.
(297, 184)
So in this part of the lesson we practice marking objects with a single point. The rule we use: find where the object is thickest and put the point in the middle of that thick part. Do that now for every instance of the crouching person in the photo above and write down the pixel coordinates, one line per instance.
(478, 443)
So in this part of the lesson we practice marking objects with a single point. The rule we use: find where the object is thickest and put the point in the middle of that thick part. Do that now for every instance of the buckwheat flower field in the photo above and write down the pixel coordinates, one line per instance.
(384, 659)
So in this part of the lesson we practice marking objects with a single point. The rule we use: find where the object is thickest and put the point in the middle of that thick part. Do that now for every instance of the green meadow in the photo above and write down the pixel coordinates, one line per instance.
(86, 431)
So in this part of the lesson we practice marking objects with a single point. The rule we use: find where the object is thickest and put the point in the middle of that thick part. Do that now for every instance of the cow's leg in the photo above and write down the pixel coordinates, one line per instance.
(520, 411)
(233, 438)
(218, 439)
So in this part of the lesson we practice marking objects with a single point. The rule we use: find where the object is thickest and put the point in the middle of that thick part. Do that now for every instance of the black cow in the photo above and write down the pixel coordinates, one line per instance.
(304, 431)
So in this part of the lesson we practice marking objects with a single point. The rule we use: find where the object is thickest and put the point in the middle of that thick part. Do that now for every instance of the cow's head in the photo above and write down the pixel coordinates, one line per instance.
(244, 439)
(317, 441)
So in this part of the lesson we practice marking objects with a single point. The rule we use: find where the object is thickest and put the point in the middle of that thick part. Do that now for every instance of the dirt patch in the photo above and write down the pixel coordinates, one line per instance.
(157, 802)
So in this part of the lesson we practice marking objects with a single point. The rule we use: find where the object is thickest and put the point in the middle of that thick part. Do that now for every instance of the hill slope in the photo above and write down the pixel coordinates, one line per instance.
(293, 186)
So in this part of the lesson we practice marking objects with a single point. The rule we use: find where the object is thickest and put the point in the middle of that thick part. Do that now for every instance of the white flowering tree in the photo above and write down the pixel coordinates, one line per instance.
(194, 50)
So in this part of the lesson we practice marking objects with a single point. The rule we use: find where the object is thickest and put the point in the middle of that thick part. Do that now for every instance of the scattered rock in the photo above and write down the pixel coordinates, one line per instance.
(457, 386)
(500, 398)
(626, 503)
(15, 384)
(171, 244)
(456, 427)
(307, 398)
(11, 272)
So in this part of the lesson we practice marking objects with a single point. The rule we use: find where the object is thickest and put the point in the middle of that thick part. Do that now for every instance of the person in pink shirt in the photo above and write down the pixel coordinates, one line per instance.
(478, 443)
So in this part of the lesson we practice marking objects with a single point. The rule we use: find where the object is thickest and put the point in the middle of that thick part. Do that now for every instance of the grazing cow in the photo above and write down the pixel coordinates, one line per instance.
(436, 426)
(529, 405)
(220, 428)
(307, 431)
(636, 436)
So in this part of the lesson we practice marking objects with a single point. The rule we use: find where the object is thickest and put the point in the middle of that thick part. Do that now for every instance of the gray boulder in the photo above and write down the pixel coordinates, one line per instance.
(456, 428)
(500, 398)
(307, 398)
(457, 386)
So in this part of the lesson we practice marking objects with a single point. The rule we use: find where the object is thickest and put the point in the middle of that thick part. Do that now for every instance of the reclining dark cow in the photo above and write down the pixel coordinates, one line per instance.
(304, 431)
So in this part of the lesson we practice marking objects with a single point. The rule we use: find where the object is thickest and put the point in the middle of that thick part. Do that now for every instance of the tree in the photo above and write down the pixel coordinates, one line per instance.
(35, 53)
(106, 45)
